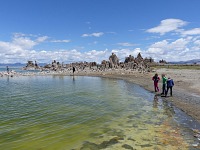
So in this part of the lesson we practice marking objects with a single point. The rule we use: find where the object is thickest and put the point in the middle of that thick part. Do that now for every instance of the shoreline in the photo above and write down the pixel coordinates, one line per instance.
(186, 91)
(186, 98)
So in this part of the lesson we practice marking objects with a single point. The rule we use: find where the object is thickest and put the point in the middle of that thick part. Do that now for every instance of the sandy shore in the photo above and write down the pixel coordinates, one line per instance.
(186, 92)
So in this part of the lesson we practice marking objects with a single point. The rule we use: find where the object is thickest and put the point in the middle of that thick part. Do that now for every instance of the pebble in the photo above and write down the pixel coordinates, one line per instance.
(195, 145)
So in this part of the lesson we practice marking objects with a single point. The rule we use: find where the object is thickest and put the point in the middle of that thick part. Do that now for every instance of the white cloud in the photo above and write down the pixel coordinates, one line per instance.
(167, 25)
(195, 31)
(96, 34)
(126, 44)
(155, 51)
(197, 42)
(24, 42)
(196, 45)
(179, 44)
(42, 39)
(22, 48)
(178, 50)
(60, 41)
(185, 48)
(16, 51)
(159, 44)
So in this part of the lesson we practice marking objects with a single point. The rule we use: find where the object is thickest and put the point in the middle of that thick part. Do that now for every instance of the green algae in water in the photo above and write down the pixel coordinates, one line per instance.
(61, 113)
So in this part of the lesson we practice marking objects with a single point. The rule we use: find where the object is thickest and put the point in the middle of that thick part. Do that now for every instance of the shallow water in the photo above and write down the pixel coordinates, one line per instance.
(62, 112)
(17, 69)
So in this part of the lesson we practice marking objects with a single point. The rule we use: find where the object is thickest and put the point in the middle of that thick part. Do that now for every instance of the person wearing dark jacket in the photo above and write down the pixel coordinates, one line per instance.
(73, 70)
(170, 84)
(7, 69)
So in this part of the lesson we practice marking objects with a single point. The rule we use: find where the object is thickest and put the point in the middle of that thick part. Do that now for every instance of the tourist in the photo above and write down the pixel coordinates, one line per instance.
(170, 84)
(164, 82)
(73, 70)
(156, 78)
(7, 69)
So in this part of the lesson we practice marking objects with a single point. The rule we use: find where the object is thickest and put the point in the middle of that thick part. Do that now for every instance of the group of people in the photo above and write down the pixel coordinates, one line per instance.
(167, 83)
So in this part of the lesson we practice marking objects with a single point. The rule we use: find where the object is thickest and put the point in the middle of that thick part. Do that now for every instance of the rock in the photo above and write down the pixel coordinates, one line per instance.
(139, 58)
(92, 146)
(129, 59)
(146, 145)
(197, 135)
(131, 139)
(195, 145)
(114, 61)
(126, 146)
(106, 144)
(89, 146)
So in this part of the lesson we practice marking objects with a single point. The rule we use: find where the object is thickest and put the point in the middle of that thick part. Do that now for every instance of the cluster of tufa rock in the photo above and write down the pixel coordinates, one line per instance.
(130, 62)
(31, 66)
(138, 63)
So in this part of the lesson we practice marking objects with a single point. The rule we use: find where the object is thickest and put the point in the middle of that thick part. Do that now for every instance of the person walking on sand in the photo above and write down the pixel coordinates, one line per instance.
(156, 78)
(170, 84)
(164, 83)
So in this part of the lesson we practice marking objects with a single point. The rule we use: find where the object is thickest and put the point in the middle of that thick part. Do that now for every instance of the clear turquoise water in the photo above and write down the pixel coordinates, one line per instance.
(62, 112)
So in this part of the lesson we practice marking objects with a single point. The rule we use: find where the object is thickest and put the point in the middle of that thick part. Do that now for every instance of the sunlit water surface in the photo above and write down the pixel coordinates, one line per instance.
(63, 113)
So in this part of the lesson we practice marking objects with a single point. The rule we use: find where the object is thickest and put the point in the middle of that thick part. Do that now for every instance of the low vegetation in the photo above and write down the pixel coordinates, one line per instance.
(177, 66)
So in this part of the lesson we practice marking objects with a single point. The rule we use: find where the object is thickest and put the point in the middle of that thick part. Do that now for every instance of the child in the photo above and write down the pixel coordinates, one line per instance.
(164, 80)
(170, 84)
(156, 78)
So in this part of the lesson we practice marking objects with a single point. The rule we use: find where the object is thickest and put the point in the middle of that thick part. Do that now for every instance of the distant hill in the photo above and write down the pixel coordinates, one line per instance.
(193, 61)
(18, 64)
(12, 65)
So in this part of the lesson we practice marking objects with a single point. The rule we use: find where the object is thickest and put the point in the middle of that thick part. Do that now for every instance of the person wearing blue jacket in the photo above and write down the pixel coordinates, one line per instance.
(170, 84)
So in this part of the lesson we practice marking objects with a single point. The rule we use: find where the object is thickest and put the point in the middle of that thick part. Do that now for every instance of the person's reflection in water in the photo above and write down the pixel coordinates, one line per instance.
(8, 78)
(73, 79)
(168, 108)
(155, 102)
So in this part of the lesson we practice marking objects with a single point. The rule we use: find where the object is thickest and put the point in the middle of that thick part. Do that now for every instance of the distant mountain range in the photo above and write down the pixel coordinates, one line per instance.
(12, 65)
(193, 61)
(18, 64)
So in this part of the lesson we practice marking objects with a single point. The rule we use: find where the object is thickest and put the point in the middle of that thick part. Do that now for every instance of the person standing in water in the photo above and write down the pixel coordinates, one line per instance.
(164, 82)
(156, 78)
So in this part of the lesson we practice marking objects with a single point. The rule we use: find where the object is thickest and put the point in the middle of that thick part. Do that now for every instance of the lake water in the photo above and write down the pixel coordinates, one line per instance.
(16, 69)
(65, 113)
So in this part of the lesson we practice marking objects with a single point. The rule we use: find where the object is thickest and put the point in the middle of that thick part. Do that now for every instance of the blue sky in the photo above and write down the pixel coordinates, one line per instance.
(90, 30)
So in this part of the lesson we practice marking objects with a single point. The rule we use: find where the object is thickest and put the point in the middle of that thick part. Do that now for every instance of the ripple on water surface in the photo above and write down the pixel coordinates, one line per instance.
(58, 112)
